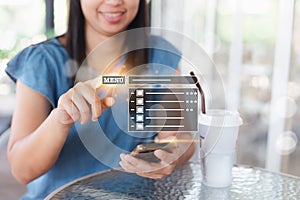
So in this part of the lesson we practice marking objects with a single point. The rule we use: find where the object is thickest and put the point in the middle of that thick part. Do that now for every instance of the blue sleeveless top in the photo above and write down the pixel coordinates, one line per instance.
(42, 68)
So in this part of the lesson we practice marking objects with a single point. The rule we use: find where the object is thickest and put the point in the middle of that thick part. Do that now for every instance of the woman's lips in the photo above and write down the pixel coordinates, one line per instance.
(112, 17)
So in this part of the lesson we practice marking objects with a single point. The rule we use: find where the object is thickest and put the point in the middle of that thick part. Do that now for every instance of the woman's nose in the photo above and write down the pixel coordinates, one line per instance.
(114, 2)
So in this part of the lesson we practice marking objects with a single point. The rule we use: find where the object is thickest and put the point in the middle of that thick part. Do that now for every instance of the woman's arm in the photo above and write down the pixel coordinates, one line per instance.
(38, 134)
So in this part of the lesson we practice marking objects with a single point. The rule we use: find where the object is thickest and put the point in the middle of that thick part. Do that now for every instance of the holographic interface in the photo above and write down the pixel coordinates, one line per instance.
(155, 105)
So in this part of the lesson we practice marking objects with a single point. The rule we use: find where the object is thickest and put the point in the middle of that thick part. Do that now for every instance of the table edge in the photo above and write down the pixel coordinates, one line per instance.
(54, 192)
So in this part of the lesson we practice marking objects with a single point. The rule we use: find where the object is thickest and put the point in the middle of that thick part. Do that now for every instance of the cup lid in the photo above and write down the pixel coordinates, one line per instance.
(220, 118)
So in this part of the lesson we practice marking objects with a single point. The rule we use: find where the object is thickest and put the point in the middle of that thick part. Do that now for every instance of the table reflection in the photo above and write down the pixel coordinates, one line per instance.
(184, 183)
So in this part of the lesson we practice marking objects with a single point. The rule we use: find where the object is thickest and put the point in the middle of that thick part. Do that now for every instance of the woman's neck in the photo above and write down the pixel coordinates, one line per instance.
(102, 49)
(92, 40)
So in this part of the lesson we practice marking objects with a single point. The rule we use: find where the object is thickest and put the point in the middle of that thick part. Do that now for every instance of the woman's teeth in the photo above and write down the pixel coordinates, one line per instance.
(112, 15)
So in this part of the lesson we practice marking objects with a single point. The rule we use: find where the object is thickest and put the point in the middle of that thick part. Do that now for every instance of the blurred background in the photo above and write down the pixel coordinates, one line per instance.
(254, 44)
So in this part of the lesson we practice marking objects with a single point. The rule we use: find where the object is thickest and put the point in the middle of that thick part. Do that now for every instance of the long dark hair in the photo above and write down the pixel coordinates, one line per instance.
(75, 35)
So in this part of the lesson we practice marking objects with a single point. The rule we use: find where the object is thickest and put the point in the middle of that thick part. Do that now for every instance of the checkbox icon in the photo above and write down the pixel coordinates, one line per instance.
(139, 93)
(139, 126)
(140, 109)
(139, 118)
(139, 101)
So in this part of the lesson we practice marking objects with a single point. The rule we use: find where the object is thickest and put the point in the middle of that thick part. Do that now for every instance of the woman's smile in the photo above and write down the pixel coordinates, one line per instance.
(113, 17)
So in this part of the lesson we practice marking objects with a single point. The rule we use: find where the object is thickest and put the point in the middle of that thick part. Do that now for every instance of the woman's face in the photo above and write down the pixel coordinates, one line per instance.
(109, 17)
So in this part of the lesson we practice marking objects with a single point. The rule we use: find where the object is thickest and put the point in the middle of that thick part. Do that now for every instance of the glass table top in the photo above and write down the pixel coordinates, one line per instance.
(183, 183)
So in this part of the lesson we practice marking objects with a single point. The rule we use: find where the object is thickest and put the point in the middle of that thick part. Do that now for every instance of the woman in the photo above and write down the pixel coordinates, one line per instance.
(44, 149)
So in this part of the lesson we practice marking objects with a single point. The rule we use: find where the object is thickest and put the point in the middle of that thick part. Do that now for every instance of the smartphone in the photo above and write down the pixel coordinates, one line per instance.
(146, 151)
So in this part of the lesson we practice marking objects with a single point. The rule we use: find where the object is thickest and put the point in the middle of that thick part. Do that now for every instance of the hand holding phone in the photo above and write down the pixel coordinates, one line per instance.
(146, 151)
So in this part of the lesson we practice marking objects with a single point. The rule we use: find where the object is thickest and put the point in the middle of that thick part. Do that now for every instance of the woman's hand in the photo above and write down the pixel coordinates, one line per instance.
(169, 161)
(149, 169)
(81, 103)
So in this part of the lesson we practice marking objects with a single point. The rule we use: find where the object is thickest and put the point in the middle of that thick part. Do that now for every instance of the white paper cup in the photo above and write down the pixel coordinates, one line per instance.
(219, 131)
